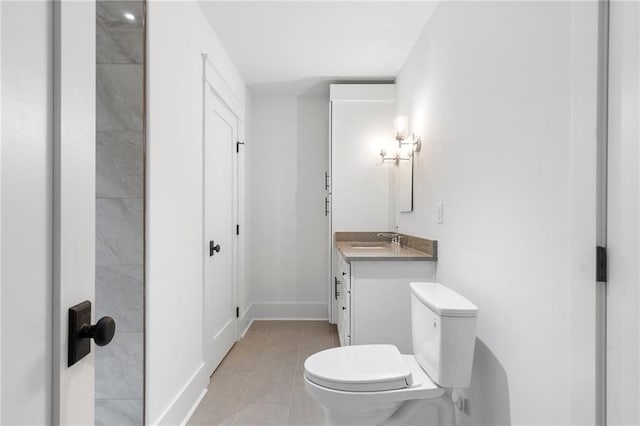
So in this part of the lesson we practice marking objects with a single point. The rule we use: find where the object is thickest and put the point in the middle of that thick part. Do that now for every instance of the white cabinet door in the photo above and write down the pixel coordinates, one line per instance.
(381, 301)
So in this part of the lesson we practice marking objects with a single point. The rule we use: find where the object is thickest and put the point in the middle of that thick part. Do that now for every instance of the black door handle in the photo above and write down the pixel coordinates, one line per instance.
(213, 247)
(81, 332)
(101, 333)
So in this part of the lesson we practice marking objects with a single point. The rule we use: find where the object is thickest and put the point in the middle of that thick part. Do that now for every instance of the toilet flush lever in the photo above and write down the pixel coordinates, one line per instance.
(213, 248)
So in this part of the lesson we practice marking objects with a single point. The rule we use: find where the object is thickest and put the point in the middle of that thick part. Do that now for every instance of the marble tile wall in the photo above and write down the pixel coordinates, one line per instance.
(119, 209)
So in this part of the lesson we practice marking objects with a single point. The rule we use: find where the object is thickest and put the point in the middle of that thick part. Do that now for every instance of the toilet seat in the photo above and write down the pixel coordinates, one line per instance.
(422, 388)
(360, 368)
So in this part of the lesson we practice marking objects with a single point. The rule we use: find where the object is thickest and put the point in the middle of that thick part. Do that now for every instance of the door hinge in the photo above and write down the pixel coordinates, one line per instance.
(237, 311)
(237, 229)
(238, 143)
(601, 264)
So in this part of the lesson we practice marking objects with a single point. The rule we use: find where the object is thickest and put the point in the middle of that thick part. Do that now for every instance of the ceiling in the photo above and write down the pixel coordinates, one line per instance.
(294, 45)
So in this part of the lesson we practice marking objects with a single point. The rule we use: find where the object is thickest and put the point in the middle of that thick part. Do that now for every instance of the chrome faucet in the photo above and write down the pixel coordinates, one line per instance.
(395, 238)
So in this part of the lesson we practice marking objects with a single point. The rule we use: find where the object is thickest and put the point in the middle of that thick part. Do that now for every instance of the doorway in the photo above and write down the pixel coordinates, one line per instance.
(120, 200)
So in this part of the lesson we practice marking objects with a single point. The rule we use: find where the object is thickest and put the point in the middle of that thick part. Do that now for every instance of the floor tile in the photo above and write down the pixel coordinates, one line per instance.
(306, 418)
(262, 415)
(260, 381)
(269, 390)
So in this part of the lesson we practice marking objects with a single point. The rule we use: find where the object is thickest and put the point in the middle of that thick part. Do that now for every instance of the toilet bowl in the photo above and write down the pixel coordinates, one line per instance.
(377, 385)
(368, 397)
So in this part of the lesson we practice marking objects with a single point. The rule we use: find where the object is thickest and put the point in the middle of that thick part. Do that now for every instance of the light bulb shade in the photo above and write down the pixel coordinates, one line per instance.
(401, 124)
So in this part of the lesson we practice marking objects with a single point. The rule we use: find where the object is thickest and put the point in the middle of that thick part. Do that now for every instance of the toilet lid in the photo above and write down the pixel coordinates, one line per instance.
(359, 368)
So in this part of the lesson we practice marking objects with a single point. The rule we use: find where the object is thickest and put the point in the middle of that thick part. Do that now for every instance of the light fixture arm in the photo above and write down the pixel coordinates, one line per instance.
(416, 143)
(396, 159)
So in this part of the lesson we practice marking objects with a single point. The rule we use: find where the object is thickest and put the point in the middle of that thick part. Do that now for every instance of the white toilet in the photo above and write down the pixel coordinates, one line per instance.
(375, 384)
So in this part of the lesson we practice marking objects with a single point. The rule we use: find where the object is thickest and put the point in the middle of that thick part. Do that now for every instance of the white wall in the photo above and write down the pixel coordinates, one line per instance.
(362, 195)
(288, 155)
(503, 95)
(623, 313)
(175, 377)
(27, 90)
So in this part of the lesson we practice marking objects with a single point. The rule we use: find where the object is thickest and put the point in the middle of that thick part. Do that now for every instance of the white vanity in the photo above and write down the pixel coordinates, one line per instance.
(371, 288)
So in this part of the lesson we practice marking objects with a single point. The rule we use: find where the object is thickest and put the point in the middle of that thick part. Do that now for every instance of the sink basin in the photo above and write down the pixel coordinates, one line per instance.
(369, 246)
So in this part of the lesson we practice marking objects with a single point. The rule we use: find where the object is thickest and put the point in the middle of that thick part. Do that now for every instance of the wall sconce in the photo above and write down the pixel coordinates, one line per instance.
(401, 125)
(396, 159)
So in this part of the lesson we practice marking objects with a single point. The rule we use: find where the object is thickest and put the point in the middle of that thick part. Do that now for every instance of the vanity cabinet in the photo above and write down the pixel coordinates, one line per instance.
(343, 297)
(374, 300)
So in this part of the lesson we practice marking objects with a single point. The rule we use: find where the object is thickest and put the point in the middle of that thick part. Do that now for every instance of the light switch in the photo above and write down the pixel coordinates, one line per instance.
(440, 211)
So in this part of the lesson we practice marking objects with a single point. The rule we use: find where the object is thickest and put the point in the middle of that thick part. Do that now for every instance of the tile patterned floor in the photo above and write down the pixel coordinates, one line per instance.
(260, 380)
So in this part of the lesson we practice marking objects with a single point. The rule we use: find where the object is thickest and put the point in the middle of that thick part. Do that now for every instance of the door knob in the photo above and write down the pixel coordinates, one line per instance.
(101, 333)
(80, 332)
(213, 247)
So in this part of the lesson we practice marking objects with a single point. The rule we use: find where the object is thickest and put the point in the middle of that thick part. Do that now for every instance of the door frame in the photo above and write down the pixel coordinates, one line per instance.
(214, 84)
(602, 135)
(0, 208)
(74, 171)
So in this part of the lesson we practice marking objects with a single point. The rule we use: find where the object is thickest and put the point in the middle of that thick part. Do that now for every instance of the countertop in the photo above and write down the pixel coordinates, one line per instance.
(380, 251)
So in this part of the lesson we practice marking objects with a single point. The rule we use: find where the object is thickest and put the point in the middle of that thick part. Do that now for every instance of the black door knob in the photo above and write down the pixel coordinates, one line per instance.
(101, 333)
(213, 247)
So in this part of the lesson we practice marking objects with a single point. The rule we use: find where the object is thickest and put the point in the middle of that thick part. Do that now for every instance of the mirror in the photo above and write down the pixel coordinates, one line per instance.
(404, 185)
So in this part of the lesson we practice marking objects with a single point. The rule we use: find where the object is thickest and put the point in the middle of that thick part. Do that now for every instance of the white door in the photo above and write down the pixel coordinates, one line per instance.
(220, 137)
(26, 115)
(48, 199)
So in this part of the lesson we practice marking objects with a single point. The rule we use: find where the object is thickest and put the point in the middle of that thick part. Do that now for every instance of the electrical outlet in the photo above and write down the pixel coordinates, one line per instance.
(440, 211)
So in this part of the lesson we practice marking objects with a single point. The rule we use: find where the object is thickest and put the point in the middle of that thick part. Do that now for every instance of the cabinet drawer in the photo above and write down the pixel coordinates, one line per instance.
(344, 308)
(344, 272)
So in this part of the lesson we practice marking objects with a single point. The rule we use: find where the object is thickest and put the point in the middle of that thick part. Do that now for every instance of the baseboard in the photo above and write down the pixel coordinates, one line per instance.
(289, 311)
(194, 408)
(186, 401)
(245, 320)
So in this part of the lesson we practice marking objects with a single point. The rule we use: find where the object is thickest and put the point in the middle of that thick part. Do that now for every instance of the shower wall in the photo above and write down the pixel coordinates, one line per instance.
(119, 209)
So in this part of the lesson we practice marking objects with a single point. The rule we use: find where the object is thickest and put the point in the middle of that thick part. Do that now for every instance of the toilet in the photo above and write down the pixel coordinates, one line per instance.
(377, 385)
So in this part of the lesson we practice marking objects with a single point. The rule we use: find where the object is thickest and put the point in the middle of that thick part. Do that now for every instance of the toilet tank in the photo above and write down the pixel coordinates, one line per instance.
(444, 333)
